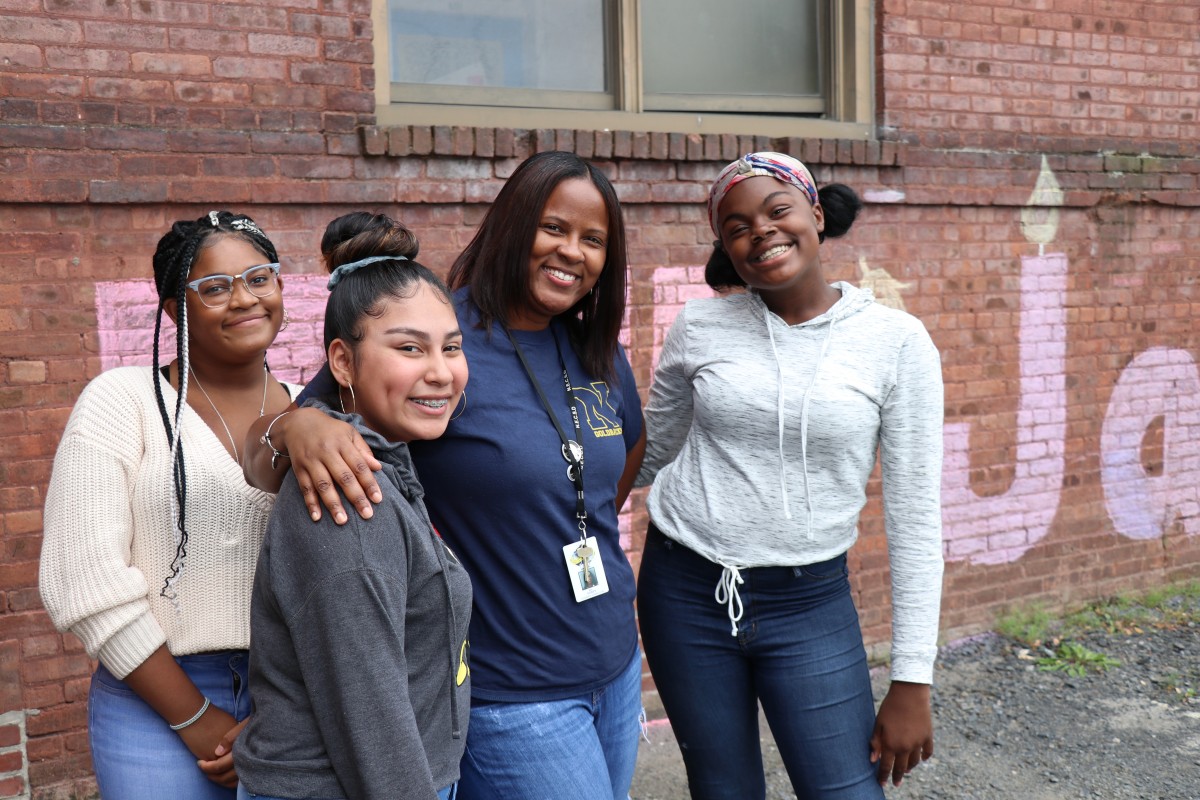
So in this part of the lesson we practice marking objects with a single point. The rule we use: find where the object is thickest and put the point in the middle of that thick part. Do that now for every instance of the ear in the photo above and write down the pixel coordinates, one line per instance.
(171, 306)
(819, 216)
(341, 362)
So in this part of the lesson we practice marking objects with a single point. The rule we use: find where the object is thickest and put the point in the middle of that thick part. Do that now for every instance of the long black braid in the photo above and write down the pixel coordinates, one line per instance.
(173, 260)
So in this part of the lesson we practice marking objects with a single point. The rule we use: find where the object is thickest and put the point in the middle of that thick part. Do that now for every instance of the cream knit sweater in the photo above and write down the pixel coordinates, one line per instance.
(110, 537)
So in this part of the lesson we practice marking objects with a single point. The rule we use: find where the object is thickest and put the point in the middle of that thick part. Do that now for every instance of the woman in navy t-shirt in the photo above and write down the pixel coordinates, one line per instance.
(526, 485)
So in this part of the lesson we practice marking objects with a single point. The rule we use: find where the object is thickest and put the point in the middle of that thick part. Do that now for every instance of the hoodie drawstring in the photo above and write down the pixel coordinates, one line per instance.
(727, 595)
(780, 397)
(779, 401)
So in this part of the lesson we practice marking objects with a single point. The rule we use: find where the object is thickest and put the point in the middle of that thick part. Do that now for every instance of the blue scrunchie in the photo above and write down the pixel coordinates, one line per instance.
(346, 269)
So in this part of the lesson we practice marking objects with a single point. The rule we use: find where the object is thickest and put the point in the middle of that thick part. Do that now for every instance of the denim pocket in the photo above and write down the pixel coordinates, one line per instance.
(105, 681)
(832, 569)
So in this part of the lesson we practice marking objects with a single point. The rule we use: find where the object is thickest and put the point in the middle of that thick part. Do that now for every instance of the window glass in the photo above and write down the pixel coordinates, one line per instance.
(506, 44)
(717, 47)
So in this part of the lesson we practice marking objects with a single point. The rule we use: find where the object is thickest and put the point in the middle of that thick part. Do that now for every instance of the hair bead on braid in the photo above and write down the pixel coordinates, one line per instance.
(173, 260)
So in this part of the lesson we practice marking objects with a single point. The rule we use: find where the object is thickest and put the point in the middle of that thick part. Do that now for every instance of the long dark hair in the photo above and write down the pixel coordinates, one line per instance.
(841, 205)
(173, 259)
(353, 237)
(495, 265)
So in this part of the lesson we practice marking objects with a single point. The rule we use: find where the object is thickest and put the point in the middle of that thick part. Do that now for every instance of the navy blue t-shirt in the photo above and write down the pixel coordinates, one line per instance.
(497, 490)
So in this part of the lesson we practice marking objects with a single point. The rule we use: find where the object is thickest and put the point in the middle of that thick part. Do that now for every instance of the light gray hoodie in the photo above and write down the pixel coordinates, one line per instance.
(761, 437)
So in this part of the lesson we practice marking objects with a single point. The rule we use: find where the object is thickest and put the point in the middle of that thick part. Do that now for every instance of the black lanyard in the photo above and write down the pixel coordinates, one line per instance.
(572, 450)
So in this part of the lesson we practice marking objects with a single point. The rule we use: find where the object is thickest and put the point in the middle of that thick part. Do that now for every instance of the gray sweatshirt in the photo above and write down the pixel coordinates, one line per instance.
(761, 437)
(358, 670)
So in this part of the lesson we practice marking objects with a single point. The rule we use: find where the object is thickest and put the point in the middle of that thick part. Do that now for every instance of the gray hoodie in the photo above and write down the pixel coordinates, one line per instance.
(358, 651)
(761, 437)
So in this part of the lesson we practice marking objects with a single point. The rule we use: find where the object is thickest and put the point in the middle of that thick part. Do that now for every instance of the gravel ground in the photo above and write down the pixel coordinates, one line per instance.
(1006, 729)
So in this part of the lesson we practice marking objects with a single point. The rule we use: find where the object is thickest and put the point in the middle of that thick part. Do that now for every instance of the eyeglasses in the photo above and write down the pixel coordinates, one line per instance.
(215, 290)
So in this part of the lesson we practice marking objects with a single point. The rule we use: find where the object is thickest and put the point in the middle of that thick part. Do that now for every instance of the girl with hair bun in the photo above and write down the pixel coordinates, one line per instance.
(359, 672)
(151, 532)
(767, 410)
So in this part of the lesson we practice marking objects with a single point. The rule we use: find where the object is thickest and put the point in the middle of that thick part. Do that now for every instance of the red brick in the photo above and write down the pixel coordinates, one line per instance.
(127, 89)
(249, 17)
(324, 74)
(41, 29)
(177, 13)
(422, 140)
(125, 34)
(123, 192)
(340, 98)
(88, 59)
(294, 144)
(10, 735)
(485, 142)
(324, 25)
(41, 86)
(245, 67)
(207, 40)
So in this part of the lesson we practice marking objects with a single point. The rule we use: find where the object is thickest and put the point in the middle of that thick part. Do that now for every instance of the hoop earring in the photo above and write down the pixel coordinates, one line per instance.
(353, 399)
(287, 320)
(462, 407)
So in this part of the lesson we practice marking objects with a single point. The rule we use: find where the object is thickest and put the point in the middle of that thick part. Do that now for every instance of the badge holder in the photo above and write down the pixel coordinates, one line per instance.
(586, 569)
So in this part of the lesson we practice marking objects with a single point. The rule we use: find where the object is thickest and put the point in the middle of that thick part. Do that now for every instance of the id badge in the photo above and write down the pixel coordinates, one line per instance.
(585, 569)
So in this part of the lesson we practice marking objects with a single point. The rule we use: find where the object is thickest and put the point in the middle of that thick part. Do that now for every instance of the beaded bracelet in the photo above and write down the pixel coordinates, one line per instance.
(266, 439)
(195, 716)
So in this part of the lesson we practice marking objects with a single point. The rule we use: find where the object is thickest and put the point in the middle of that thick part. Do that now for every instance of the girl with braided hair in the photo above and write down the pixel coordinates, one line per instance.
(151, 533)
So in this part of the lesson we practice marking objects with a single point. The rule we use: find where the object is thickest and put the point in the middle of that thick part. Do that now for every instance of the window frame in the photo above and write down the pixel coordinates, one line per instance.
(849, 91)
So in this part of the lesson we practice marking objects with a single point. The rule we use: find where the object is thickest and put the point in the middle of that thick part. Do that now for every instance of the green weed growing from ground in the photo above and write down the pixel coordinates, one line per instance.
(1076, 660)
(1127, 614)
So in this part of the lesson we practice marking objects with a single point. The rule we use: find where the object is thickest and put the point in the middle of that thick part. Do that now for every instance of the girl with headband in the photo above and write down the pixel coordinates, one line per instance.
(766, 413)
(152, 534)
(359, 675)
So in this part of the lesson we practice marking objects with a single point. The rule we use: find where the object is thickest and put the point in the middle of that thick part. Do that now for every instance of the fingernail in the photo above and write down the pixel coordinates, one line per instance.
(367, 512)
(220, 750)
(377, 496)
(316, 516)
(340, 517)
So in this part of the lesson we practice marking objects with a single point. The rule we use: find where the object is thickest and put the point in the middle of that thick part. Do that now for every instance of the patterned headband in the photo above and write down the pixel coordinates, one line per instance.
(237, 223)
(345, 269)
(772, 165)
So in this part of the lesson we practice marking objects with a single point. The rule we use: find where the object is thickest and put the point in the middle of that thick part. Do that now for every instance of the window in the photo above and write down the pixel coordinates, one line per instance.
(574, 63)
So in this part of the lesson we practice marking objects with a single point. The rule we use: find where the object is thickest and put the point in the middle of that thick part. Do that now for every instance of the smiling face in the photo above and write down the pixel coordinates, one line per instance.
(408, 370)
(770, 231)
(568, 253)
(246, 326)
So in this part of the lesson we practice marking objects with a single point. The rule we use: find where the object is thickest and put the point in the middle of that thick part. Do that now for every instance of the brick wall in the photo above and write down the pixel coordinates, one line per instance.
(1072, 389)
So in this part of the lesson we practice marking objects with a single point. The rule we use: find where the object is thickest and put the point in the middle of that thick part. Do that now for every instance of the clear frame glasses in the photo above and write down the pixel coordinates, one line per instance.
(215, 290)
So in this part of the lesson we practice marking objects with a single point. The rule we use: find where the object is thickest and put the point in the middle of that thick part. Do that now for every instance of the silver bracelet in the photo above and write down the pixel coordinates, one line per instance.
(266, 439)
(195, 716)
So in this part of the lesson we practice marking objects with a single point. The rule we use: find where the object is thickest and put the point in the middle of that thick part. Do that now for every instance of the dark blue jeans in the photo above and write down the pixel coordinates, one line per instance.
(799, 652)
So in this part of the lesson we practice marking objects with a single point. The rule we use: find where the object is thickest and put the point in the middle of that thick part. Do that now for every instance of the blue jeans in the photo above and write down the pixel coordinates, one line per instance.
(449, 793)
(583, 748)
(798, 651)
(136, 755)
